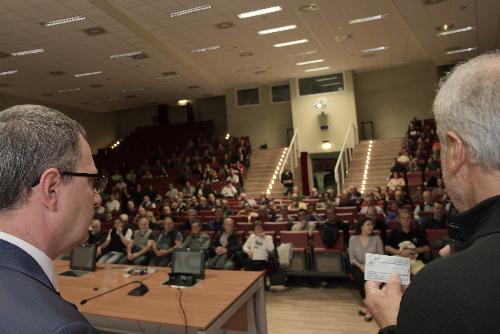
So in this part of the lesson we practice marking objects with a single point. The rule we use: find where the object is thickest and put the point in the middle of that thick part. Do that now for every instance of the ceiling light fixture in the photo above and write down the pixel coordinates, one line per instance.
(259, 12)
(124, 55)
(299, 41)
(454, 31)
(209, 48)
(63, 21)
(27, 52)
(8, 72)
(190, 10)
(68, 90)
(87, 74)
(368, 18)
(317, 69)
(450, 52)
(310, 62)
(306, 53)
(182, 102)
(379, 48)
(326, 145)
(278, 29)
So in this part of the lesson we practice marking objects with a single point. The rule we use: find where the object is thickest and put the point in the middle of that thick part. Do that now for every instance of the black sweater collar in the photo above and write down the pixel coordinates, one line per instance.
(479, 221)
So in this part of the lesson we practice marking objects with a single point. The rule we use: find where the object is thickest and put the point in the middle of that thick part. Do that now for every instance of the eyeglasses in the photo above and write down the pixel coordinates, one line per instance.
(99, 181)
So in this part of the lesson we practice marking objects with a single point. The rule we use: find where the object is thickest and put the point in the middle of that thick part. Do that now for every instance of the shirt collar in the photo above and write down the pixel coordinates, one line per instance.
(40, 257)
(479, 221)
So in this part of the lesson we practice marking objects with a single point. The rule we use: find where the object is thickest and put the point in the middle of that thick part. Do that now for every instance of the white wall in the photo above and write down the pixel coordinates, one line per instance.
(266, 123)
(102, 129)
(392, 97)
(340, 110)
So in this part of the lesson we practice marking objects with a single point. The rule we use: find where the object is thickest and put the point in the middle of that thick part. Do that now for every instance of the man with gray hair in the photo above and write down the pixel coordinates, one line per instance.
(49, 188)
(458, 293)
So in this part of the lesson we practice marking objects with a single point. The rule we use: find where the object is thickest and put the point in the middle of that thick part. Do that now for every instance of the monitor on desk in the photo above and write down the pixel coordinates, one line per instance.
(189, 262)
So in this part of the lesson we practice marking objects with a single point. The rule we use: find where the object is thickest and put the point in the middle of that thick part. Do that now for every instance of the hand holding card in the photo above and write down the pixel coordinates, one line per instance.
(379, 267)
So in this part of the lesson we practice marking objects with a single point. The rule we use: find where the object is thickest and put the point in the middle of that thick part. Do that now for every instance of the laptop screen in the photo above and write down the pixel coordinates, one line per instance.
(83, 258)
(190, 262)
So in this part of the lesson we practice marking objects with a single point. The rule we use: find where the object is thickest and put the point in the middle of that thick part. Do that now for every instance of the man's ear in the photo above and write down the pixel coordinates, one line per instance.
(50, 182)
(456, 152)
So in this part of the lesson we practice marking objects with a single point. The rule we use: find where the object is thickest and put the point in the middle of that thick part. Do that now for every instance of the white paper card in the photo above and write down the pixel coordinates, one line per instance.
(379, 267)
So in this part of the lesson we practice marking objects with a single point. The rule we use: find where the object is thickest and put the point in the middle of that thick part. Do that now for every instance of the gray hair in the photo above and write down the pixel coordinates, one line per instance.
(468, 103)
(33, 139)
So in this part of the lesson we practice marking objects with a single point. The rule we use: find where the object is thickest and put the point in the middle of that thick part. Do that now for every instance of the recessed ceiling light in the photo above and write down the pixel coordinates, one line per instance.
(450, 52)
(340, 38)
(246, 54)
(124, 55)
(454, 31)
(278, 29)
(224, 25)
(379, 48)
(306, 53)
(8, 72)
(190, 10)
(68, 90)
(63, 21)
(317, 69)
(299, 41)
(368, 18)
(308, 8)
(259, 12)
(27, 52)
(310, 62)
(94, 31)
(182, 102)
(87, 74)
(208, 48)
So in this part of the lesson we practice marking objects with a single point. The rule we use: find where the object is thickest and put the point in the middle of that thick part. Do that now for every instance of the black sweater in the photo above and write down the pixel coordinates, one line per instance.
(459, 293)
(233, 243)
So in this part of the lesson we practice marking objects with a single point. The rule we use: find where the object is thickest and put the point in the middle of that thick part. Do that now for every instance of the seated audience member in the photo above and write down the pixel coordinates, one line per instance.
(377, 195)
(264, 199)
(303, 225)
(285, 218)
(223, 247)
(363, 242)
(225, 207)
(438, 219)
(113, 203)
(96, 235)
(395, 180)
(265, 216)
(392, 211)
(297, 204)
(370, 202)
(439, 191)
(139, 248)
(312, 215)
(314, 194)
(425, 206)
(196, 240)
(332, 220)
(165, 212)
(192, 215)
(247, 212)
(147, 203)
(188, 190)
(114, 248)
(218, 223)
(377, 223)
(418, 195)
(202, 205)
(130, 209)
(229, 191)
(401, 198)
(166, 243)
(258, 247)
(171, 192)
(245, 200)
(406, 233)
(354, 195)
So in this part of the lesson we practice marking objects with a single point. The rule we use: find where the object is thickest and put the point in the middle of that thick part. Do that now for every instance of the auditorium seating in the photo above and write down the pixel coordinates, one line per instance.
(328, 261)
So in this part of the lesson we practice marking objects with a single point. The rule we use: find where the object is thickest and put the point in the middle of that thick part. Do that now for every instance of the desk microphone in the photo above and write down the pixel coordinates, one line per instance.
(141, 290)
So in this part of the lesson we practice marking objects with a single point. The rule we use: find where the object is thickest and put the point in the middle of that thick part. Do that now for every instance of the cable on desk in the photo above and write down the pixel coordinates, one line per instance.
(183, 311)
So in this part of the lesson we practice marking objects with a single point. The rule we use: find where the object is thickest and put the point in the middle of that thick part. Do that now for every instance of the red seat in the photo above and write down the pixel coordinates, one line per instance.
(245, 227)
(239, 219)
(300, 239)
(328, 261)
(415, 178)
(394, 224)
(275, 227)
(346, 209)
(434, 235)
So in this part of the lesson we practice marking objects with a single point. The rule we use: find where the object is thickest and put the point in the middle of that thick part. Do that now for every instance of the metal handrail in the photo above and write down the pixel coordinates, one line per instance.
(340, 160)
(290, 149)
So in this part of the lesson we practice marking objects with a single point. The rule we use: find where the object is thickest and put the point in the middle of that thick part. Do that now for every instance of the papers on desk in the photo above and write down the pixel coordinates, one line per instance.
(379, 267)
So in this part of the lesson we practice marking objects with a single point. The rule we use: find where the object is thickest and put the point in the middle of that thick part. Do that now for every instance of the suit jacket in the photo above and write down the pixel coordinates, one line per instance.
(28, 301)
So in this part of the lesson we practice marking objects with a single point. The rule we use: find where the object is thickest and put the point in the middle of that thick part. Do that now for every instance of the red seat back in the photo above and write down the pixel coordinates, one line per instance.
(298, 239)
(318, 242)
(434, 235)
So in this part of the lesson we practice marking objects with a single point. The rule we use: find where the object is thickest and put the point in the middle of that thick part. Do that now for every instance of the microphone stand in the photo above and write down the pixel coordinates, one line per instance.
(142, 289)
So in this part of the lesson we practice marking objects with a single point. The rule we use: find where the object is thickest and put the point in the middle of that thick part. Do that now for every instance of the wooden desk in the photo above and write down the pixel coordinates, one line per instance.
(225, 300)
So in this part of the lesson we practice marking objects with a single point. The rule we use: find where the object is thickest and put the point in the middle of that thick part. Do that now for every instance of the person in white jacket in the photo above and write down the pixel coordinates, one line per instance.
(258, 247)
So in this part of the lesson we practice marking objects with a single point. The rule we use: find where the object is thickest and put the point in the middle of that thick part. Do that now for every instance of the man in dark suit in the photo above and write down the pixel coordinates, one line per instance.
(48, 191)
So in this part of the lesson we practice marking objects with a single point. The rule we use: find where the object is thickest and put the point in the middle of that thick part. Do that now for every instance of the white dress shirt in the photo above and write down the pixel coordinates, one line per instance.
(40, 257)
